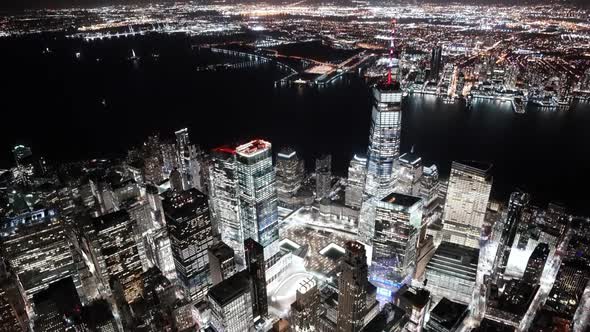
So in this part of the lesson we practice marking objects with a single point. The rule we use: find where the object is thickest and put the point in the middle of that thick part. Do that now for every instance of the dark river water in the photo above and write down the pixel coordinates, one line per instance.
(52, 101)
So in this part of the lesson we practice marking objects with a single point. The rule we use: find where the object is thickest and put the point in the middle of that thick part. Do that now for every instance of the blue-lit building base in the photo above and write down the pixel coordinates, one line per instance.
(387, 284)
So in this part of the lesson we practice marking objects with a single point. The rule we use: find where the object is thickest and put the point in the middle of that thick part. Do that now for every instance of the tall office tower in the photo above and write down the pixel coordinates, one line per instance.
(323, 171)
(429, 191)
(57, 308)
(290, 174)
(169, 157)
(222, 262)
(452, 272)
(536, 264)
(231, 304)
(408, 174)
(116, 254)
(447, 316)
(352, 292)
(468, 193)
(24, 170)
(176, 181)
(195, 170)
(256, 267)
(416, 303)
(152, 160)
(258, 195)
(161, 252)
(183, 147)
(225, 200)
(384, 146)
(305, 309)
(436, 63)
(189, 226)
(36, 246)
(398, 220)
(570, 282)
(355, 184)
(12, 305)
(517, 203)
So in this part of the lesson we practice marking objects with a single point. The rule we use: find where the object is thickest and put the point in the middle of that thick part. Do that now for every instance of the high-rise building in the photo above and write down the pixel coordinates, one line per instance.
(570, 282)
(468, 193)
(398, 219)
(517, 203)
(169, 157)
(416, 303)
(536, 264)
(352, 288)
(183, 150)
(152, 160)
(116, 254)
(323, 172)
(256, 267)
(447, 316)
(290, 172)
(408, 174)
(355, 184)
(12, 304)
(231, 304)
(176, 180)
(430, 191)
(452, 272)
(222, 262)
(305, 309)
(24, 170)
(189, 227)
(36, 246)
(384, 138)
(57, 308)
(258, 195)
(225, 200)
(436, 63)
(384, 149)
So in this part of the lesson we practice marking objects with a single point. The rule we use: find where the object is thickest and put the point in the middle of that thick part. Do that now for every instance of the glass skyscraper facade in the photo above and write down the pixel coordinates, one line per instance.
(468, 193)
(384, 149)
(38, 249)
(224, 199)
(189, 225)
(258, 195)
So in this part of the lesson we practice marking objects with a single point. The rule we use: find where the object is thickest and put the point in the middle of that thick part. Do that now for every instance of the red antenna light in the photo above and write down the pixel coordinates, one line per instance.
(391, 48)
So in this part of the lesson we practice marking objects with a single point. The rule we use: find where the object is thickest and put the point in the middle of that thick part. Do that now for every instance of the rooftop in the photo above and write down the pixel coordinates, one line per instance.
(108, 220)
(221, 251)
(229, 289)
(410, 158)
(253, 148)
(401, 199)
(448, 313)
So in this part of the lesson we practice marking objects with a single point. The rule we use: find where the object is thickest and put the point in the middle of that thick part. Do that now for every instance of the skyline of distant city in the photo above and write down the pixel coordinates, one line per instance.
(295, 167)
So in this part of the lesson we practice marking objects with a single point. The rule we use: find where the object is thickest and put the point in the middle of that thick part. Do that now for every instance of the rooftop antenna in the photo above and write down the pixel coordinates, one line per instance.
(391, 48)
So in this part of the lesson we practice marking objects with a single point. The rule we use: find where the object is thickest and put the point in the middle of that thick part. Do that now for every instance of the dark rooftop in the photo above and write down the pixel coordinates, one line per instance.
(184, 204)
(410, 158)
(401, 199)
(221, 251)
(449, 314)
(103, 222)
(387, 318)
(229, 289)
(492, 326)
(418, 297)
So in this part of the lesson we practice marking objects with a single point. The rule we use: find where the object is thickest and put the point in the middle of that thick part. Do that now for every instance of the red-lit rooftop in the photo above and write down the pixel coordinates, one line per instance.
(253, 147)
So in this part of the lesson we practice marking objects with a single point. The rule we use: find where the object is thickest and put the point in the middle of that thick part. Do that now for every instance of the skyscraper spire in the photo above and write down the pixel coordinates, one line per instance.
(391, 48)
